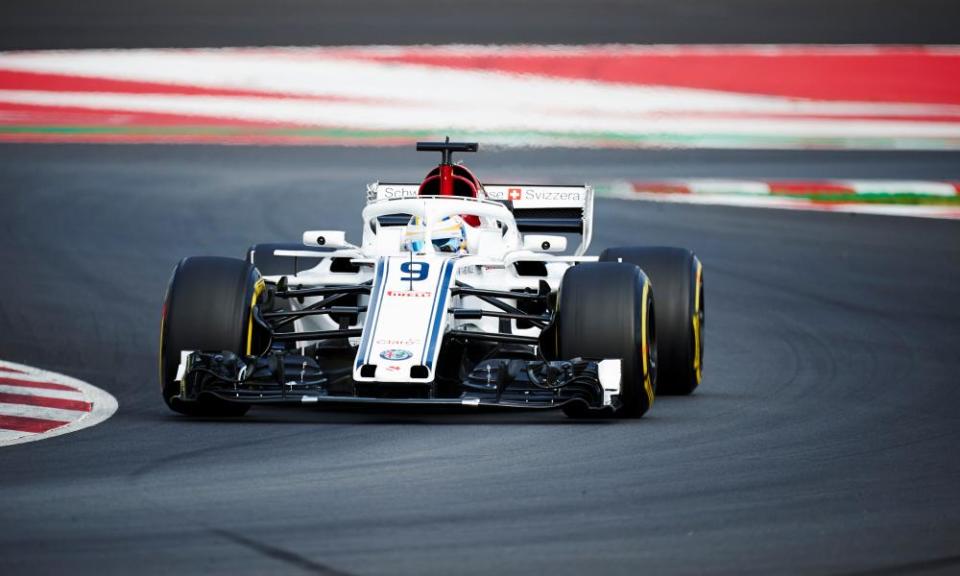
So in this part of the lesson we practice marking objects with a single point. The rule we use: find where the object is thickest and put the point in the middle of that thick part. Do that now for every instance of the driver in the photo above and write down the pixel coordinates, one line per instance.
(448, 234)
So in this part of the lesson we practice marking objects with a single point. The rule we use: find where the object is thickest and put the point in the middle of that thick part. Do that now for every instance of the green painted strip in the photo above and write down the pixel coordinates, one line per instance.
(625, 189)
(905, 199)
(500, 137)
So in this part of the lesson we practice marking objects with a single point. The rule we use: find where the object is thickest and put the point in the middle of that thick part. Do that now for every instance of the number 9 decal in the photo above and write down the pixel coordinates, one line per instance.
(417, 271)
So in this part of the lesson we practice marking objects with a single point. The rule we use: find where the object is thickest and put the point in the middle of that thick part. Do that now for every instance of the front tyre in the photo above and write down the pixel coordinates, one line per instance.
(605, 310)
(208, 306)
(677, 276)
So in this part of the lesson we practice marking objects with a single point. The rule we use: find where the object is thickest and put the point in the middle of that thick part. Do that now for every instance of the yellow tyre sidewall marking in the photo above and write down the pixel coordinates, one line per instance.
(163, 320)
(258, 289)
(647, 384)
(697, 350)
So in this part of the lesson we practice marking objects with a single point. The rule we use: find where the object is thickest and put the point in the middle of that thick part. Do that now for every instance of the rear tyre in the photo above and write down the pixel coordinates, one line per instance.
(677, 276)
(208, 306)
(605, 310)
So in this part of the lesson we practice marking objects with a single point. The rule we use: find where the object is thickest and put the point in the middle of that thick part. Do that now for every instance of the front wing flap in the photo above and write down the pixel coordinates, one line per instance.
(286, 378)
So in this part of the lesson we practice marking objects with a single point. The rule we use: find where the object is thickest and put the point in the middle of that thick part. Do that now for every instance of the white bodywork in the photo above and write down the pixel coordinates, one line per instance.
(407, 310)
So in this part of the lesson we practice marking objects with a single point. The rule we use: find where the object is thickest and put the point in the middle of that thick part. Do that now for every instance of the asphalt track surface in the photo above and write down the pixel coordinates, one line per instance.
(50, 24)
(823, 440)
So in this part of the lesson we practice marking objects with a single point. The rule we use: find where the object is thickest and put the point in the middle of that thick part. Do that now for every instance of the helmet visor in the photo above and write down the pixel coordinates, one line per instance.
(446, 244)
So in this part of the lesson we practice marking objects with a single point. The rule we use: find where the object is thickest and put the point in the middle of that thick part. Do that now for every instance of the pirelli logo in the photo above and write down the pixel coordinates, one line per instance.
(409, 294)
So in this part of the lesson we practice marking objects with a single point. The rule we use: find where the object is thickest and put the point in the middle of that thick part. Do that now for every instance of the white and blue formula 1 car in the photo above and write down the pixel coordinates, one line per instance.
(459, 293)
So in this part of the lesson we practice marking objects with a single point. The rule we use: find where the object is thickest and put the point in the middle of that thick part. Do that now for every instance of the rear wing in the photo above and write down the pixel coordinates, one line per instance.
(536, 208)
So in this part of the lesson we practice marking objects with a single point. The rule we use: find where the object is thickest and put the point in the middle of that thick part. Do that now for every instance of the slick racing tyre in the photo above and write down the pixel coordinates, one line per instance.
(208, 307)
(677, 278)
(605, 310)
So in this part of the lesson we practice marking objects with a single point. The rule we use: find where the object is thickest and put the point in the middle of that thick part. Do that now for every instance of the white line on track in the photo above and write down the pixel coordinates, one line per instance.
(780, 203)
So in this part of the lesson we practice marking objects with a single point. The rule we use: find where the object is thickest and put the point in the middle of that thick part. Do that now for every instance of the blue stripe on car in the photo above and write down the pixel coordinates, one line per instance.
(372, 310)
(376, 319)
(444, 289)
(433, 309)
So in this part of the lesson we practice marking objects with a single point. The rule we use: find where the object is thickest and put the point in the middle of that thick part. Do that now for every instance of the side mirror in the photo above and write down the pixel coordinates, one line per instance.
(544, 243)
(325, 238)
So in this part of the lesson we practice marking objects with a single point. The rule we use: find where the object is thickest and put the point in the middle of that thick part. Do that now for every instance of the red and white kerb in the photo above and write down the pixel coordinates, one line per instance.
(37, 404)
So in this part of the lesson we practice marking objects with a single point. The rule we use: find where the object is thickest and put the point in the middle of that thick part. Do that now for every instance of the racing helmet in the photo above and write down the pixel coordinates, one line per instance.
(463, 183)
(448, 235)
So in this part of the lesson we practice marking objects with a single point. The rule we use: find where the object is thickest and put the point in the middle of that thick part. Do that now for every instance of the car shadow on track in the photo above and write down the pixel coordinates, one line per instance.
(365, 415)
